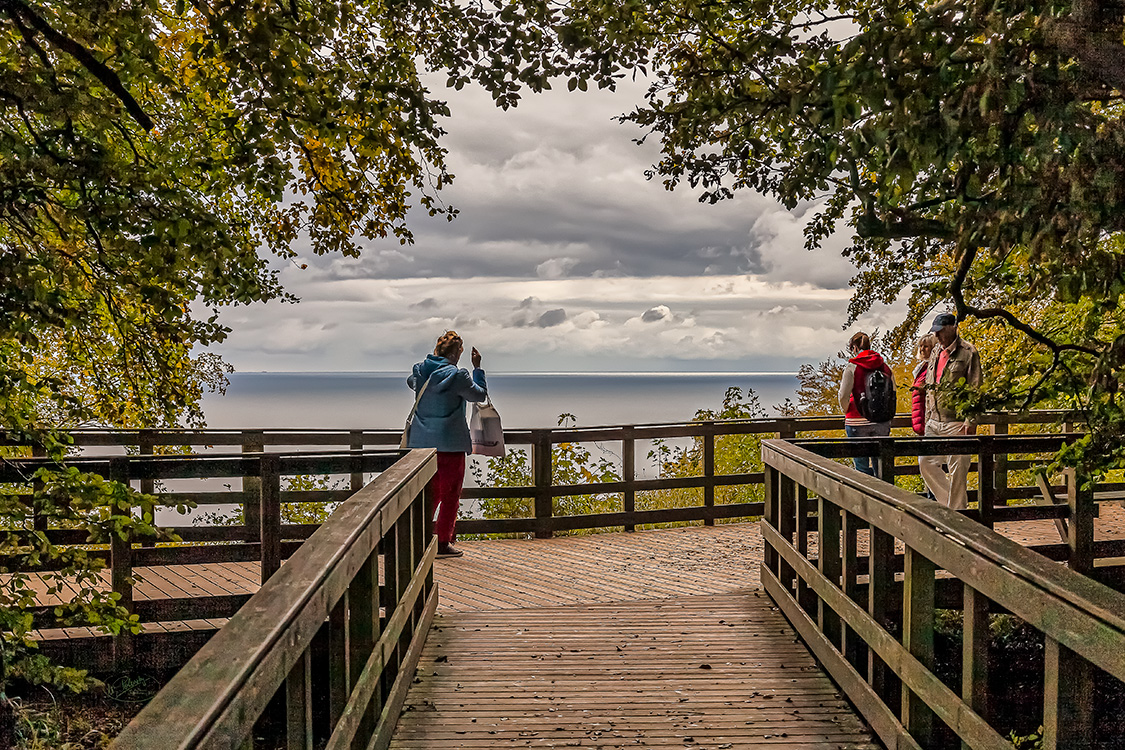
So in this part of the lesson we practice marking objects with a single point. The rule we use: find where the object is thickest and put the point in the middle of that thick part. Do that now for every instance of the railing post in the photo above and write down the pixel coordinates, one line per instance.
(887, 461)
(880, 579)
(1000, 466)
(146, 443)
(852, 644)
(786, 525)
(388, 597)
(974, 653)
(805, 595)
(121, 568)
(253, 441)
(364, 594)
(986, 478)
(629, 474)
(709, 474)
(918, 638)
(1068, 698)
(541, 470)
(772, 483)
(786, 430)
(270, 518)
(828, 561)
(39, 520)
(298, 699)
(357, 445)
(1080, 536)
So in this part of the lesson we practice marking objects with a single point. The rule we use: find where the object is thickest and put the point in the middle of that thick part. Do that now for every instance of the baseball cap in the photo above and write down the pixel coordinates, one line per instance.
(943, 320)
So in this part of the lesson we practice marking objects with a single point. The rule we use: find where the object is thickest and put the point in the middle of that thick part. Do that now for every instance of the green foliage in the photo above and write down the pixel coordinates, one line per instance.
(572, 463)
(303, 512)
(69, 499)
(575, 464)
(157, 160)
(972, 150)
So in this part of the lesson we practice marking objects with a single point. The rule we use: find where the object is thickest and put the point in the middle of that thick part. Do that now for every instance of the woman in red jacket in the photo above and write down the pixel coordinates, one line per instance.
(926, 345)
(862, 362)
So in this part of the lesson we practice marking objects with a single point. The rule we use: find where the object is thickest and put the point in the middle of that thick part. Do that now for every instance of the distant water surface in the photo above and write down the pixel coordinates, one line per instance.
(373, 400)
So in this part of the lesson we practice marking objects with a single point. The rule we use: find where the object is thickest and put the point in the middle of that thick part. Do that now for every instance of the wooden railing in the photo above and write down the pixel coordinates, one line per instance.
(315, 629)
(831, 566)
(263, 537)
(543, 490)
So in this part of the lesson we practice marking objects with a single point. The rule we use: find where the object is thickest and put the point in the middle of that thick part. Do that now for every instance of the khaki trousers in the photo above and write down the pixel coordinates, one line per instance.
(949, 488)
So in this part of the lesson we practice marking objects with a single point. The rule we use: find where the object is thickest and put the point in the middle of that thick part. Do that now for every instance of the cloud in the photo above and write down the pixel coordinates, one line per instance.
(559, 229)
(551, 318)
(778, 236)
(555, 268)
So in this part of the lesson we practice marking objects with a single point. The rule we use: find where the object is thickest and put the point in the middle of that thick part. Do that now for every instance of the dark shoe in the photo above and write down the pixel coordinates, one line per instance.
(446, 549)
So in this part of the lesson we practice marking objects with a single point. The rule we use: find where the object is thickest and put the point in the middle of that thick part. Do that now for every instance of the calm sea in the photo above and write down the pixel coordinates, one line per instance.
(372, 400)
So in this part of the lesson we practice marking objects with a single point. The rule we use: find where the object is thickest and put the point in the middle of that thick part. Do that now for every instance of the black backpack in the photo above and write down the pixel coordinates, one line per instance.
(877, 401)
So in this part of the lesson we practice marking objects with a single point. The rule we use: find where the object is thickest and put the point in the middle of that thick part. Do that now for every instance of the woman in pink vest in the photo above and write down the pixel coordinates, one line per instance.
(922, 352)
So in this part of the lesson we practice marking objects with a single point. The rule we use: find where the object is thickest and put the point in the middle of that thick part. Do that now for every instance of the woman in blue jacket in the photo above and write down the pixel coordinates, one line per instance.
(439, 422)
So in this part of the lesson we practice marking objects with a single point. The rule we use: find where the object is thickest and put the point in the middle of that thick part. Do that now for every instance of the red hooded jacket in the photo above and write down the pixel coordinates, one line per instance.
(864, 362)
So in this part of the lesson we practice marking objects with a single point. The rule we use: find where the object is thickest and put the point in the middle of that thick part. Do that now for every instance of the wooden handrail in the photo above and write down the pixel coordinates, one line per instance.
(841, 619)
(214, 701)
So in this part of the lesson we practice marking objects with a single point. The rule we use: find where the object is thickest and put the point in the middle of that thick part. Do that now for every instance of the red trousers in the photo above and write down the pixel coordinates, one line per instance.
(445, 489)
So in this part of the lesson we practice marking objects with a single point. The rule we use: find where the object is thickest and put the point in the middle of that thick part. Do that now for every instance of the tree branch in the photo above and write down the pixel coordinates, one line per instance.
(18, 9)
(956, 290)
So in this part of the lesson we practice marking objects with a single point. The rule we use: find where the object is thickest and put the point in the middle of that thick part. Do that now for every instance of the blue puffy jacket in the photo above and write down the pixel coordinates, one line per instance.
(440, 420)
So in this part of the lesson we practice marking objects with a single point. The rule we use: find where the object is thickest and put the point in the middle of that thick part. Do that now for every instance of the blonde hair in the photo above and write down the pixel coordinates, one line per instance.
(448, 344)
(929, 341)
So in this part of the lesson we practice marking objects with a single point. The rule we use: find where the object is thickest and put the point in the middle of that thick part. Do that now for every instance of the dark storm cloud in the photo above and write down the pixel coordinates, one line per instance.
(559, 191)
(551, 318)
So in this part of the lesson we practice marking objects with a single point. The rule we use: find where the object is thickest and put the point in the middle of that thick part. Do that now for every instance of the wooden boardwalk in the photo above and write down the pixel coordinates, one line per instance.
(718, 672)
(516, 573)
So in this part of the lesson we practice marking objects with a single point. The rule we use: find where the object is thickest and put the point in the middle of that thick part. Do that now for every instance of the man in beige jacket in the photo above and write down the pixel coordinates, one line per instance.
(952, 360)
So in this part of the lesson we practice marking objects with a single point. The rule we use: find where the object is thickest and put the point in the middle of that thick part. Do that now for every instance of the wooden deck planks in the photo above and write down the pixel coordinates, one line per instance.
(715, 671)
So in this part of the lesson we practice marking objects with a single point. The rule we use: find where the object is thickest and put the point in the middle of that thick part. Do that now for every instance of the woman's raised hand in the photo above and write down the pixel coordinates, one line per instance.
(476, 357)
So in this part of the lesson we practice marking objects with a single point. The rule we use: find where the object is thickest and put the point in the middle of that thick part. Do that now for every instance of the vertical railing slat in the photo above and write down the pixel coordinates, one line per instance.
(709, 474)
(852, 644)
(974, 652)
(253, 441)
(121, 569)
(338, 667)
(829, 564)
(363, 632)
(1068, 699)
(541, 470)
(298, 704)
(918, 638)
(629, 475)
(270, 518)
(880, 578)
(805, 595)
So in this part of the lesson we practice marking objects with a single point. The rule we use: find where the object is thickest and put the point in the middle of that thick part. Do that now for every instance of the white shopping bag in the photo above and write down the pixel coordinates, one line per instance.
(485, 430)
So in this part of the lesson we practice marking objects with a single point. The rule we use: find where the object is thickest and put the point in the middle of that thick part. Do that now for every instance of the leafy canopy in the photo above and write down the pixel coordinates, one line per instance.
(974, 150)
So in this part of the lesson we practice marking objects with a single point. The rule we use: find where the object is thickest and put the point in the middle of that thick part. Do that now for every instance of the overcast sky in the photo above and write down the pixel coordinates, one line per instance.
(565, 258)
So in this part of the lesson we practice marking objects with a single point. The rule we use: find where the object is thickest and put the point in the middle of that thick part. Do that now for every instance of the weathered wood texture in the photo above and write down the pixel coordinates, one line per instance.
(720, 671)
(1083, 621)
(267, 646)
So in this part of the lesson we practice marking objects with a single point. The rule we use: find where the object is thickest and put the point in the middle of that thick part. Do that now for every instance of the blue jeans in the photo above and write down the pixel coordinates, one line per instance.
(883, 429)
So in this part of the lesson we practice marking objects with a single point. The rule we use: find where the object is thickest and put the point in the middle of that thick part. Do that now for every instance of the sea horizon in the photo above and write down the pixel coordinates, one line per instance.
(310, 399)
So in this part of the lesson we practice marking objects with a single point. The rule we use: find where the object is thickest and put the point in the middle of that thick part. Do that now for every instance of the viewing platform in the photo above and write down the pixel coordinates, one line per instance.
(814, 627)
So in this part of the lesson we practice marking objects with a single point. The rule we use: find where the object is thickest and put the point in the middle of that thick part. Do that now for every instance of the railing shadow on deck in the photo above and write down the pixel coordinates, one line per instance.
(874, 632)
(315, 629)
